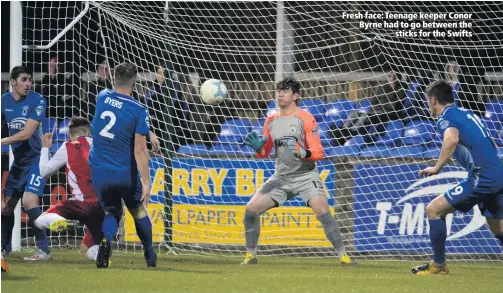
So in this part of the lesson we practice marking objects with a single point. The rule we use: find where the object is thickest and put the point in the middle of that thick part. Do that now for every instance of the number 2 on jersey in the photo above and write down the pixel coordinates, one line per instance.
(104, 132)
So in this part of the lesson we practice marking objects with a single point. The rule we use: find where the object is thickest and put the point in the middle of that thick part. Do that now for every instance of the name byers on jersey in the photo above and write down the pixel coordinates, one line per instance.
(113, 103)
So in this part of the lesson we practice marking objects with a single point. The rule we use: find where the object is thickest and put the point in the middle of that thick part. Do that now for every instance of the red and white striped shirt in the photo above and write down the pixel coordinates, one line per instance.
(75, 156)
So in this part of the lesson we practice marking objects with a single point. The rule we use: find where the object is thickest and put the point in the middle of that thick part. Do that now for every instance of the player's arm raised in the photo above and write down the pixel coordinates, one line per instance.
(451, 139)
(141, 154)
(261, 146)
(51, 166)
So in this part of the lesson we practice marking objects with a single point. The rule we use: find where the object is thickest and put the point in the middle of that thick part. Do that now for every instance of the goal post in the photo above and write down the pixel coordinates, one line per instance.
(205, 175)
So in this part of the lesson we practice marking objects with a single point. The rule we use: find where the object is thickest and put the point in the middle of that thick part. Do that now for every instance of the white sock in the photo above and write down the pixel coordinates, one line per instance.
(92, 252)
(45, 220)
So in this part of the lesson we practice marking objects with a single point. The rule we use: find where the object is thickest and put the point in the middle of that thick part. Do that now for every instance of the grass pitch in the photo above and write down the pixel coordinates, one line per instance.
(70, 272)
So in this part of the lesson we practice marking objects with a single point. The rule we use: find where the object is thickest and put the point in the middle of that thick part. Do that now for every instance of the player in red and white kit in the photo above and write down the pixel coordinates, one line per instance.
(83, 206)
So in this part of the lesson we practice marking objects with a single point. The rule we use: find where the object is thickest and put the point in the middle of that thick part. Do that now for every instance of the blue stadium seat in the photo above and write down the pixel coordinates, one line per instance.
(56, 145)
(436, 140)
(394, 131)
(494, 110)
(223, 149)
(193, 150)
(432, 152)
(408, 152)
(338, 111)
(325, 136)
(5, 148)
(375, 151)
(271, 108)
(258, 126)
(245, 150)
(495, 131)
(62, 131)
(342, 151)
(49, 125)
(364, 106)
(234, 131)
(314, 106)
(357, 141)
(418, 132)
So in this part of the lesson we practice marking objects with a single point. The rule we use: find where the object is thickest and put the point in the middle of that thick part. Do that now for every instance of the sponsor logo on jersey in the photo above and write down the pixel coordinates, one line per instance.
(25, 111)
(17, 123)
(39, 110)
(8, 110)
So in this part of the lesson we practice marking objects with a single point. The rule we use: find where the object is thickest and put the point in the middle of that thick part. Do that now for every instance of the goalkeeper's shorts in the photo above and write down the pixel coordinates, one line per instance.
(284, 187)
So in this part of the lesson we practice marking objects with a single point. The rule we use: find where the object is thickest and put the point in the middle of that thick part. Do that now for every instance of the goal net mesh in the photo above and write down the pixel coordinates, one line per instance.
(363, 70)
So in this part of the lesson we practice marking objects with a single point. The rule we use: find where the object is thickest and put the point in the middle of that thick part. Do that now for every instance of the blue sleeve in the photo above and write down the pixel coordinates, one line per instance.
(38, 109)
(142, 122)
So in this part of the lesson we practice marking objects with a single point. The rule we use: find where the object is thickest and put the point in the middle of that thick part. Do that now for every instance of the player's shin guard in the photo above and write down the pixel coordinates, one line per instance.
(499, 237)
(332, 232)
(109, 227)
(7, 225)
(251, 222)
(40, 235)
(438, 234)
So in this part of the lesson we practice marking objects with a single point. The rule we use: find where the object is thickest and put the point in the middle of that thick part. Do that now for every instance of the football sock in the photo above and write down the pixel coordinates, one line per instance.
(40, 235)
(438, 234)
(92, 252)
(332, 232)
(109, 227)
(44, 221)
(499, 236)
(251, 222)
(144, 231)
(7, 225)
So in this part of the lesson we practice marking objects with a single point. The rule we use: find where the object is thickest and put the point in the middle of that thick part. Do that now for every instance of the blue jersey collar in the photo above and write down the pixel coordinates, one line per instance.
(446, 108)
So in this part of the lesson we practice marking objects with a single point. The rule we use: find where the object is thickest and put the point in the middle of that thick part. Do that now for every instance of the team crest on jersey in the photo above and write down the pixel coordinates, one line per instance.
(444, 124)
(293, 129)
(25, 111)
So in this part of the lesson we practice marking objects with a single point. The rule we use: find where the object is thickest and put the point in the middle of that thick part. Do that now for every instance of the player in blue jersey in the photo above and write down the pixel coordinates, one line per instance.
(465, 138)
(119, 160)
(23, 110)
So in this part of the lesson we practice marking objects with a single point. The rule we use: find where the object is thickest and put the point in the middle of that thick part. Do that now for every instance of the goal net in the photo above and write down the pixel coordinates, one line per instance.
(363, 70)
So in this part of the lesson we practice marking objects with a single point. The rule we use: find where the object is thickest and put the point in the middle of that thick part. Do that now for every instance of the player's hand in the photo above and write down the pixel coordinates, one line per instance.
(430, 171)
(253, 140)
(145, 193)
(296, 150)
(47, 140)
(154, 141)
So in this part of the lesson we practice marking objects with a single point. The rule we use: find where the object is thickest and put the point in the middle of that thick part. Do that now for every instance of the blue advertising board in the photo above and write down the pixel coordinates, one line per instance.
(390, 211)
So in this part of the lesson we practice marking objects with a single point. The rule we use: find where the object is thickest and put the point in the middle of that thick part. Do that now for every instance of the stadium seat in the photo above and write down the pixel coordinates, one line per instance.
(314, 106)
(271, 108)
(357, 141)
(408, 152)
(436, 140)
(495, 131)
(193, 150)
(494, 110)
(394, 131)
(56, 145)
(418, 132)
(432, 152)
(342, 151)
(234, 131)
(325, 136)
(49, 125)
(62, 131)
(375, 151)
(258, 126)
(338, 111)
(364, 106)
(223, 149)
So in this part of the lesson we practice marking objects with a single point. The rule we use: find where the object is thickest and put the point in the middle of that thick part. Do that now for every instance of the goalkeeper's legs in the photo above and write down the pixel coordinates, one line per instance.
(436, 211)
(320, 207)
(259, 203)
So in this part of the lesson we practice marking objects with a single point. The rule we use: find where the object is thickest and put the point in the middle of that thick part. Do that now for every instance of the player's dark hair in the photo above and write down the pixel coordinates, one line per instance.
(17, 71)
(289, 83)
(442, 91)
(79, 126)
(125, 75)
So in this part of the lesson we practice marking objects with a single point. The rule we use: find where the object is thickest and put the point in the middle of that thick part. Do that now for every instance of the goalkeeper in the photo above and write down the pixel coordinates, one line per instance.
(294, 133)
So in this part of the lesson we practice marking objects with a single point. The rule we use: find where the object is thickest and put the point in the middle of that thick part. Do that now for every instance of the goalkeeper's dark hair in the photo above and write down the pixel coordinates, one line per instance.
(17, 71)
(125, 75)
(442, 91)
(79, 126)
(289, 83)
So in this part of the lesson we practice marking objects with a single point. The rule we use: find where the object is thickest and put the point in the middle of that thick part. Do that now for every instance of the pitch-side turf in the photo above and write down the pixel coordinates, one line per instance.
(69, 272)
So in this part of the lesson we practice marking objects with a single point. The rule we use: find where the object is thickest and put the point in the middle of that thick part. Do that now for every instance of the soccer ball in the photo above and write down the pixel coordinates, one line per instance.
(213, 91)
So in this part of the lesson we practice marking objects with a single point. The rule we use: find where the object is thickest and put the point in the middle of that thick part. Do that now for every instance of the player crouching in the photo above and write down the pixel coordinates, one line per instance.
(83, 206)
(294, 133)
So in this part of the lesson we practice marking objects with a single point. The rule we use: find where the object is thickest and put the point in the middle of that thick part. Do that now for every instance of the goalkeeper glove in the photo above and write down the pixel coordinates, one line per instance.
(296, 150)
(253, 140)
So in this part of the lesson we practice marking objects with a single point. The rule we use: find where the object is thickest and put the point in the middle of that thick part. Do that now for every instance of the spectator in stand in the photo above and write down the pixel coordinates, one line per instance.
(103, 81)
(386, 105)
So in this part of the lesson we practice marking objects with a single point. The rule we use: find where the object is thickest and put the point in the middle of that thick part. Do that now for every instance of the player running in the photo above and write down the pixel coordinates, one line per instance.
(118, 152)
(83, 206)
(23, 110)
(294, 133)
(467, 139)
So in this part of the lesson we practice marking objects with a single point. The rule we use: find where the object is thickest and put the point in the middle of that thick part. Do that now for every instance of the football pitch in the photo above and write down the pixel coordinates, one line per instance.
(71, 272)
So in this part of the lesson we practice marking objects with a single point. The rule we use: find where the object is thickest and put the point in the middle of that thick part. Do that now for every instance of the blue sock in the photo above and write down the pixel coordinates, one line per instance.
(438, 234)
(144, 231)
(40, 235)
(499, 236)
(109, 227)
(7, 225)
